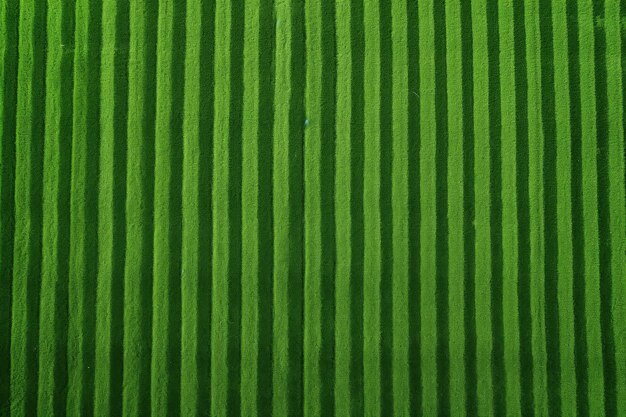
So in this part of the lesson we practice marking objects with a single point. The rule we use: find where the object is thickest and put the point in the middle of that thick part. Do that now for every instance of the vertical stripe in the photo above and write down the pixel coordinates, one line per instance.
(604, 213)
(265, 198)
(191, 297)
(469, 214)
(371, 213)
(204, 297)
(162, 245)
(165, 369)
(428, 189)
(281, 202)
(563, 196)
(590, 208)
(357, 235)
(496, 199)
(249, 205)
(510, 233)
(118, 250)
(221, 220)
(54, 297)
(139, 209)
(442, 269)
(413, 178)
(48, 268)
(327, 185)
(580, 346)
(386, 208)
(83, 208)
(535, 207)
(551, 253)
(455, 208)
(617, 206)
(112, 190)
(479, 171)
(313, 381)
(525, 265)
(27, 246)
(400, 216)
(343, 220)
(9, 13)
(296, 206)
(234, 207)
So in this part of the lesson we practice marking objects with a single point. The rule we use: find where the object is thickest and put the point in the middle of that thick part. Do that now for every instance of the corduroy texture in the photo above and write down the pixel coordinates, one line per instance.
(312, 207)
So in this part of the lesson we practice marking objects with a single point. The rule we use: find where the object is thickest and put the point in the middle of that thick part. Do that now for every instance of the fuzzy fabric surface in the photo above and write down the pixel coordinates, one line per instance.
(312, 208)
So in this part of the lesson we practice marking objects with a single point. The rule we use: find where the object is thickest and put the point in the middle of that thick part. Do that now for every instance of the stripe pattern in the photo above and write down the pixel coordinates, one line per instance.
(282, 207)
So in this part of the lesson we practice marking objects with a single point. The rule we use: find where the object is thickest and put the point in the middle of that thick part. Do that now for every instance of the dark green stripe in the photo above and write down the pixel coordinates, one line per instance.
(550, 209)
(7, 192)
(356, 207)
(92, 181)
(469, 231)
(386, 229)
(265, 196)
(604, 220)
(38, 91)
(234, 207)
(327, 185)
(523, 212)
(495, 156)
(441, 244)
(415, 373)
(205, 218)
(296, 210)
(122, 34)
(175, 208)
(147, 208)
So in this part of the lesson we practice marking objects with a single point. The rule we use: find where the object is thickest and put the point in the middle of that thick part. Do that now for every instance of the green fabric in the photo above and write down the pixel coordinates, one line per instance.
(312, 208)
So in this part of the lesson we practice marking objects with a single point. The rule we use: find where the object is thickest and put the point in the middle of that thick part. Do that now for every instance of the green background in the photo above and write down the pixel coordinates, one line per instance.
(312, 207)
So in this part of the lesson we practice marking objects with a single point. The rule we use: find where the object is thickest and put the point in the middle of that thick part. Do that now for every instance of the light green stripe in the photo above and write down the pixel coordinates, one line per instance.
(190, 241)
(80, 157)
(312, 211)
(456, 271)
(250, 226)
(428, 198)
(105, 212)
(162, 179)
(47, 336)
(482, 198)
(219, 314)
(400, 204)
(134, 346)
(371, 213)
(616, 192)
(535, 190)
(509, 210)
(564, 209)
(428, 222)
(590, 206)
(428, 192)
(280, 180)
(342, 211)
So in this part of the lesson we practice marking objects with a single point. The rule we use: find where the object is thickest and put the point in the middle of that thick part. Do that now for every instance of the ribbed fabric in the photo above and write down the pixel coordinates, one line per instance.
(312, 208)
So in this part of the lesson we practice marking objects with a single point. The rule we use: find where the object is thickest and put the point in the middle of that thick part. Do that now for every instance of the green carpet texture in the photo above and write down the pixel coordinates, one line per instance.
(312, 208)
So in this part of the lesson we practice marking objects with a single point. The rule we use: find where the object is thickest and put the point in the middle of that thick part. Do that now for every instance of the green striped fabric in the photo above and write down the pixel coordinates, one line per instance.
(312, 208)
